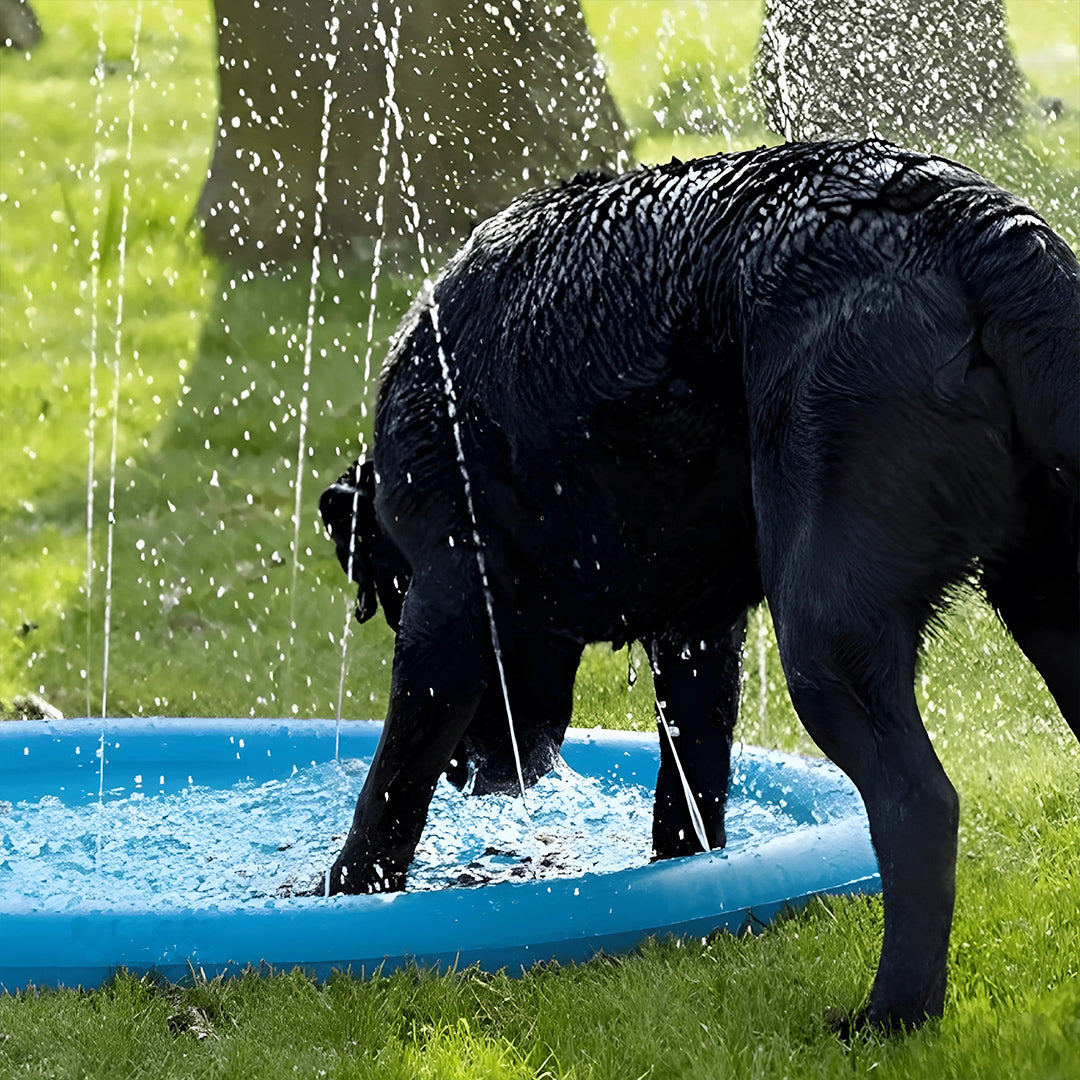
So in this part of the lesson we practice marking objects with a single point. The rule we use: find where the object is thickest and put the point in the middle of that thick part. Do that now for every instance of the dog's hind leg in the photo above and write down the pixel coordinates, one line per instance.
(850, 664)
(851, 684)
(882, 472)
(853, 558)
(442, 666)
(539, 667)
(696, 677)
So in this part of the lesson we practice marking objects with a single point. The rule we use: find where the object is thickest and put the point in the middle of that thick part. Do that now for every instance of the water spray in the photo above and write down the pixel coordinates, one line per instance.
(390, 111)
(120, 270)
(333, 25)
(95, 280)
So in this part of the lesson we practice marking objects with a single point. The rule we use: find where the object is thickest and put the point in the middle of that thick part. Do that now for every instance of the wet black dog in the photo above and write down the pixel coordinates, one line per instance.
(841, 376)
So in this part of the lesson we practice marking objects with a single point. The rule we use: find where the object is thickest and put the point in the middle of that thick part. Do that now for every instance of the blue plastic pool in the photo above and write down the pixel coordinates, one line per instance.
(88, 871)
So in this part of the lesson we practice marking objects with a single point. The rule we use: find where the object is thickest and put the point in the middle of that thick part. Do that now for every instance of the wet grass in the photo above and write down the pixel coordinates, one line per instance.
(214, 608)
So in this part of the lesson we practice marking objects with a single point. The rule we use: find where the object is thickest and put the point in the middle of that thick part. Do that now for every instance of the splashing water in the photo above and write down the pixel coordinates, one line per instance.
(152, 848)
(167, 850)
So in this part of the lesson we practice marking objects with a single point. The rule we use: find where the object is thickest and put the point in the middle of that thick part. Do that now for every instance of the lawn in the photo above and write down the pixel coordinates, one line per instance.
(175, 389)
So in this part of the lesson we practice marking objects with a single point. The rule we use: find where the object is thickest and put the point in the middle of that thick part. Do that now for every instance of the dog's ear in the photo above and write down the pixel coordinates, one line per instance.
(348, 511)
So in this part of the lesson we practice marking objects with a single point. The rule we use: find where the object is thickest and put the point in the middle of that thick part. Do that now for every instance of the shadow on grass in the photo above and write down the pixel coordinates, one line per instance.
(219, 604)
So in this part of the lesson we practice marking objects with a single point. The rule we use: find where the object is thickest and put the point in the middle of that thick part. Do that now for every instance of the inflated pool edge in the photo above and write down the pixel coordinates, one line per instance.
(509, 925)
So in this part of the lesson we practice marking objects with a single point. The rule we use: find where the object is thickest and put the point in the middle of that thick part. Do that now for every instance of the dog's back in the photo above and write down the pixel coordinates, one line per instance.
(590, 325)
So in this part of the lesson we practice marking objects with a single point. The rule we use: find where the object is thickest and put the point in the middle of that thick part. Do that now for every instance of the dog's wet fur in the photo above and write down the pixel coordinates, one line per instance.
(843, 377)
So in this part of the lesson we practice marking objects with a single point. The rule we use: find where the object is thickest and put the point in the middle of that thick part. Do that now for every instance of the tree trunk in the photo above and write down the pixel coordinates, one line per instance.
(483, 107)
(19, 27)
(907, 70)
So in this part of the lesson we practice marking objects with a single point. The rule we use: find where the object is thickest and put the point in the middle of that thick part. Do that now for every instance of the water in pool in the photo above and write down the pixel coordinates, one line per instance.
(253, 841)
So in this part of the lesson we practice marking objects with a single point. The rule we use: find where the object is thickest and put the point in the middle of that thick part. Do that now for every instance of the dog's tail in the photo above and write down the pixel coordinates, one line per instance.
(1026, 289)
(366, 555)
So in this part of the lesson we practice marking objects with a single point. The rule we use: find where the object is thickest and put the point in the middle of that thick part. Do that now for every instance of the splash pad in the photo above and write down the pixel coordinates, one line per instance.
(175, 857)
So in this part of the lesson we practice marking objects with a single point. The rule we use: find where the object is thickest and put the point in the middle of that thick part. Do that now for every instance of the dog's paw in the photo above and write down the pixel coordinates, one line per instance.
(865, 1022)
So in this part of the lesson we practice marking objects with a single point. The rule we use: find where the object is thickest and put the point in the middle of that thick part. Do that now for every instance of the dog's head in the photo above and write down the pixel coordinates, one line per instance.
(348, 511)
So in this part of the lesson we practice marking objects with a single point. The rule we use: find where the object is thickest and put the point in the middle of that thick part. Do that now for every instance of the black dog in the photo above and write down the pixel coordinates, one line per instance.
(841, 376)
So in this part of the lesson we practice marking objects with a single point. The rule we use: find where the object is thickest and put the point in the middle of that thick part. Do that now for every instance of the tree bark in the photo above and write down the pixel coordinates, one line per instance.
(19, 27)
(903, 69)
(487, 101)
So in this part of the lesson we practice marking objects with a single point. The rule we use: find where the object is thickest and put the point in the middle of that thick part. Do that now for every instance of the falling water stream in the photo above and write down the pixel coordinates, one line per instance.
(477, 540)
(95, 284)
(121, 268)
(391, 114)
(91, 419)
(389, 38)
(671, 734)
(117, 369)
(330, 59)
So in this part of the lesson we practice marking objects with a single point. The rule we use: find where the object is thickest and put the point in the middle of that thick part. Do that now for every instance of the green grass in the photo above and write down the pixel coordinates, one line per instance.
(209, 614)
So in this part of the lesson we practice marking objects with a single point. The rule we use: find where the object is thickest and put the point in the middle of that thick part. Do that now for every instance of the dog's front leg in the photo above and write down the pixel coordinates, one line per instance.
(440, 664)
